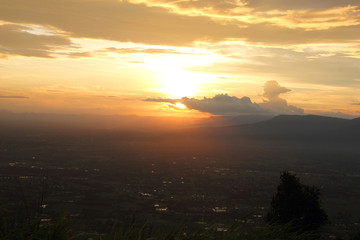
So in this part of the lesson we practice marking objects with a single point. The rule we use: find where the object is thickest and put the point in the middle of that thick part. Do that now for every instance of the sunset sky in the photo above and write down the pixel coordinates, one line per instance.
(180, 57)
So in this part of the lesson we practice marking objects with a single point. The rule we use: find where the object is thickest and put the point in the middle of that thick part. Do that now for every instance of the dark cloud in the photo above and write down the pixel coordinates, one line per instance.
(223, 104)
(15, 40)
(355, 104)
(166, 100)
(2, 96)
(274, 102)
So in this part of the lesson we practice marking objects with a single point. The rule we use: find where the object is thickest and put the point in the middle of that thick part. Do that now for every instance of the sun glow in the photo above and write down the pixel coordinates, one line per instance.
(179, 105)
(178, 83)
(177, 76)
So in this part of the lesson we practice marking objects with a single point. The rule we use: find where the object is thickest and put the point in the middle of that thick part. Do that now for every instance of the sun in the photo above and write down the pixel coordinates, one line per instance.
(178, 83)
(181, 75)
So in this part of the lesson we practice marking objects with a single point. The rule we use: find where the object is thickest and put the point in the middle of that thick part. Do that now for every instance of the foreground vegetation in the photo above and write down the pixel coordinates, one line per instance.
(61, 230)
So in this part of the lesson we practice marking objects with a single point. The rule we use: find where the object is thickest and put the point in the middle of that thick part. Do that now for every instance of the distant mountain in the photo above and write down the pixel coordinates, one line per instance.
(356, 120)
(301, 127)
(221, 121)
(302, 123)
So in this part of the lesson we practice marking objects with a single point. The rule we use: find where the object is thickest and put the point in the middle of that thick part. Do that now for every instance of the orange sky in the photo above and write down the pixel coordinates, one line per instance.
(227, 57)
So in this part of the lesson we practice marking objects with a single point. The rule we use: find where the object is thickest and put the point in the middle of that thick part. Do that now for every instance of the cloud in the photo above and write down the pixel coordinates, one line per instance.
(143, 50)
(116, 20)
(16, 40)
(313, 19)
(286, 5)
(325, 64)
(223, 104)
(199, 7)
(274, 102)
(205, 20)
(268, 33)
(305, 14)
(2, 96)
(100, 96)
(170, 102)
(272, 90)
(239, 6)
(79, 54)
(166, 100)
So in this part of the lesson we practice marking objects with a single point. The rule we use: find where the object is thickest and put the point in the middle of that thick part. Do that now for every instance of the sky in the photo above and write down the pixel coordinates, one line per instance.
(180, 57)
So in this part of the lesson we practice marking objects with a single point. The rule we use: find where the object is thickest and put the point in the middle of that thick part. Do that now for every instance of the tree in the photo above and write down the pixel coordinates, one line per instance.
(297, 204)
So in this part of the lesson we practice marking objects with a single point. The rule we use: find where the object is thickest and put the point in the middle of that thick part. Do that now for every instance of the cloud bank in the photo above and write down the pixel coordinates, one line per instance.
(225, 105)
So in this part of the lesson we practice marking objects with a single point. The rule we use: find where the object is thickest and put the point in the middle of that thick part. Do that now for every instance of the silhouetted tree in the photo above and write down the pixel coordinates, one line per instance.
(296, 203)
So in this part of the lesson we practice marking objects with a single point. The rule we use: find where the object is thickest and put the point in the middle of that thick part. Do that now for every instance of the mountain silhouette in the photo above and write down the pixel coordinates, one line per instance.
(302, 127)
